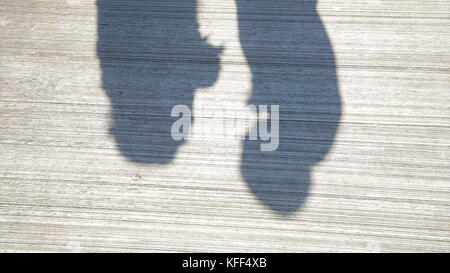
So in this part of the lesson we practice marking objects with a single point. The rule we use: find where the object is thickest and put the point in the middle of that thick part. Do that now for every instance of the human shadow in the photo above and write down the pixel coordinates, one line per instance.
(152, 58)
(293, 66)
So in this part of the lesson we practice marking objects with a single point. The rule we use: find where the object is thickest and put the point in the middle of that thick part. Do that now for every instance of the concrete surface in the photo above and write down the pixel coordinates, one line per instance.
(86, 163)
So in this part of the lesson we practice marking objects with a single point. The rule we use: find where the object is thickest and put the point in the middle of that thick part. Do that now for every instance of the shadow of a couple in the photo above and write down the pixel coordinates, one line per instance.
(153, 57)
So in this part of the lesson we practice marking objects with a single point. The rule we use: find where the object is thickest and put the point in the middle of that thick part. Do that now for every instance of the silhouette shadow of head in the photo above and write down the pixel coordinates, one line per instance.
(152, 58)
(293, 66)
